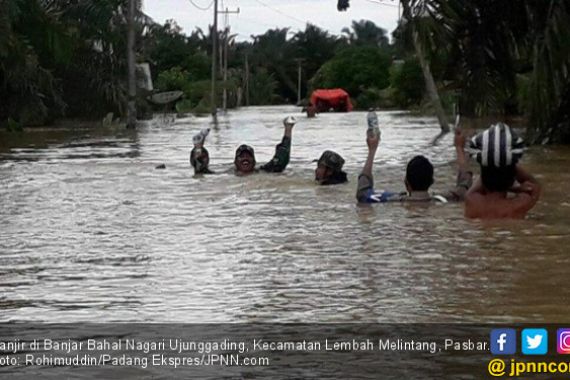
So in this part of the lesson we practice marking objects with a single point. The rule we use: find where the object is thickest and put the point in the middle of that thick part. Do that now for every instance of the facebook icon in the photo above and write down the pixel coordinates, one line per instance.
(503, 342)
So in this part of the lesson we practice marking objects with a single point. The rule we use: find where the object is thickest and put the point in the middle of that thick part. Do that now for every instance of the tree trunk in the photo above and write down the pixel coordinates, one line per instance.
(214, 52)
(431, 88)
(131, 106)
(239, 96)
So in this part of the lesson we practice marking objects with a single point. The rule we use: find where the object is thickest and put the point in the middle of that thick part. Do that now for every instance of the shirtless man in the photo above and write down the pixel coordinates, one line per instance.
(505, 189)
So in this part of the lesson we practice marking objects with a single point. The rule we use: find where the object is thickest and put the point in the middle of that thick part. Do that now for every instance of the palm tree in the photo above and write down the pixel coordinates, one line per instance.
(414, 10)
(365, 32)
(103, 27)
(314, 47)
(550, 81)
(272, 50)
(495, 41)
(27, 85)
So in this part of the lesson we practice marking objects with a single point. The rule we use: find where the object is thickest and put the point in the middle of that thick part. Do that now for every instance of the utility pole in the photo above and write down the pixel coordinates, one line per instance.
(225, 97)
(131, 59)
(214, 50)
(299, 83)
(226, 13)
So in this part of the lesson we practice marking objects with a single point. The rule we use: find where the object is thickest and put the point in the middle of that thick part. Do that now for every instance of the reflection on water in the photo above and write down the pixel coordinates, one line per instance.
(90, 231)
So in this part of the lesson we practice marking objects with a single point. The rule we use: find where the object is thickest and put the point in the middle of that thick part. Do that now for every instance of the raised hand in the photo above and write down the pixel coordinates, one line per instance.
(459, 139)
(372, 141)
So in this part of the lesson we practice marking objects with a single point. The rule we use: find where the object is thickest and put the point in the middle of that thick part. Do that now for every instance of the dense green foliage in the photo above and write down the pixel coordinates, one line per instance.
(408, 83)
(501, 56)
(68, 58)
(62, 57)
(272, 60)
(354, 69)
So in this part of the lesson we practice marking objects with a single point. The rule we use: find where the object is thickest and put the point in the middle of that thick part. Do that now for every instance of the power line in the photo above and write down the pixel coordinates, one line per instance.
(256, 22)
(379, 2)
(199, 7)
(281, 12)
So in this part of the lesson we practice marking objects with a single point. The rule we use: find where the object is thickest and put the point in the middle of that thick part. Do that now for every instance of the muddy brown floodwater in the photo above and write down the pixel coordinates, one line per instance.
(90, 231)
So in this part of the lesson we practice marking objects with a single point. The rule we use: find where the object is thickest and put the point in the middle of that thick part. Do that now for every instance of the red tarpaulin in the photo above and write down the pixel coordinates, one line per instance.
(335, 98)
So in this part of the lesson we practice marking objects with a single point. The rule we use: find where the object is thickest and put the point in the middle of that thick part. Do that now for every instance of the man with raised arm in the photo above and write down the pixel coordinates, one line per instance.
(244, 162)
(245, 157)
(419, 178)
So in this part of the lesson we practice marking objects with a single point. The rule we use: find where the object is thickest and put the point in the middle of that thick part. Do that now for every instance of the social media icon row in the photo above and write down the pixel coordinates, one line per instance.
(533, 341)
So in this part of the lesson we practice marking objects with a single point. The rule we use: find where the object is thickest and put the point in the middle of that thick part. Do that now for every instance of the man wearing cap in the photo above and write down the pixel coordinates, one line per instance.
(329, 169)
(419, 178)
(505, 190)
(245, 156)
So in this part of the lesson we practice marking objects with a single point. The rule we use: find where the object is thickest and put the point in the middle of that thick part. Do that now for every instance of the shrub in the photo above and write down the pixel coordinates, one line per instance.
(408, 83)
(355, 69)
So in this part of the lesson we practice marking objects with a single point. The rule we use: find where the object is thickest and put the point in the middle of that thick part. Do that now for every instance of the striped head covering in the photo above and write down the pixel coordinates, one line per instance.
(497, 147)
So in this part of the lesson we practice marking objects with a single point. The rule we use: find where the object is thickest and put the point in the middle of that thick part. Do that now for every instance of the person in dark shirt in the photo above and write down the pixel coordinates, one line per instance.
(329, 169)
(419, 178)
(244, 161)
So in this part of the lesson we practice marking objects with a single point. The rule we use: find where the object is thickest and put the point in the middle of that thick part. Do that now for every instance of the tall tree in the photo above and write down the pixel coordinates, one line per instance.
(412, 11)
(274, 51)
(550, 81)
(314, 46)
(131, 65)
(365, 32)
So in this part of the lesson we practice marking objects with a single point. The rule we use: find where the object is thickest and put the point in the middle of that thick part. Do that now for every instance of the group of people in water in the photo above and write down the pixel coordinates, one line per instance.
(503, 190)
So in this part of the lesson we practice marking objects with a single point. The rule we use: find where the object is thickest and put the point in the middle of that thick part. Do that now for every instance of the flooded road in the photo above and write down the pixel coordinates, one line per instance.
(91, 231)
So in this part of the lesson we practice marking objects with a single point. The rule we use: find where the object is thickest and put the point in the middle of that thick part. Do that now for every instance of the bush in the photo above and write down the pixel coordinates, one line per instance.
(355, 69)
(174, 79)
(13, 126)
(386, 98)
(203, 107)
(184, 106)
(408, 83)
(198, 66)
(369, 98)
(196, 91)
(262, 88)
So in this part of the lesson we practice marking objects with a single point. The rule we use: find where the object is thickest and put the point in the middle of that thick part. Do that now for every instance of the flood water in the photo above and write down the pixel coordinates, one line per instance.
(91, 231)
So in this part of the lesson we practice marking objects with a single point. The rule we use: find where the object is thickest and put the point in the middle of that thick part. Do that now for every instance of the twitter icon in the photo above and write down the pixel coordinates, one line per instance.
(534, 341)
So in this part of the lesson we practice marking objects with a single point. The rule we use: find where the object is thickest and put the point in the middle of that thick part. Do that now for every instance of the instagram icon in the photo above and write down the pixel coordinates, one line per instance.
(563, 342)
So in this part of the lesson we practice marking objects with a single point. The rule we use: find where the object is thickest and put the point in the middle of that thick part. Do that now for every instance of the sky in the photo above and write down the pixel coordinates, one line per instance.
(256, 16)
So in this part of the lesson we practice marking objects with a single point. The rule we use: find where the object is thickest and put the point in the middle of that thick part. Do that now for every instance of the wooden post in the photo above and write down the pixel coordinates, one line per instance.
(225, 98)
